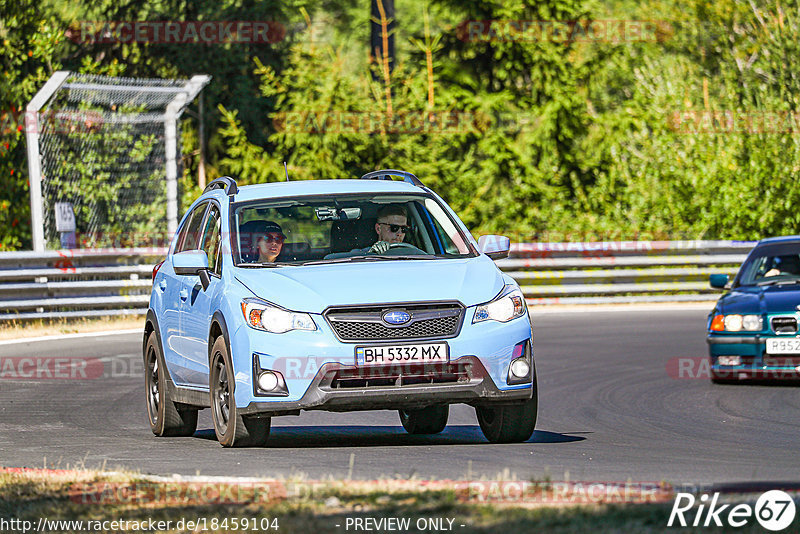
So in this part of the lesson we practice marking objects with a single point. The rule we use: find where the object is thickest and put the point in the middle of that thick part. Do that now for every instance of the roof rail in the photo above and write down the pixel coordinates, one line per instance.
(386, 174)
(226, 183)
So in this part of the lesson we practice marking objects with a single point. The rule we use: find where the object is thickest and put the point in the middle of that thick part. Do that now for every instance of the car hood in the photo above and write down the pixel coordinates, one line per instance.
(313, 288)
(767, 299)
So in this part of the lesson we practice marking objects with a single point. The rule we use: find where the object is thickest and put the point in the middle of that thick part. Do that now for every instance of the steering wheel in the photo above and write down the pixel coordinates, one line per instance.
(400, 249)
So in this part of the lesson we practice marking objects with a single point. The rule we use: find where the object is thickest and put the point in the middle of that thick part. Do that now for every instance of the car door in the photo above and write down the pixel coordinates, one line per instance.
(197, 309)
(175, 296)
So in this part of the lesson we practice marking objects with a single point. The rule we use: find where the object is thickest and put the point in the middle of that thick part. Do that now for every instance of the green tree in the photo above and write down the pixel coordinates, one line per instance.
(30, 44)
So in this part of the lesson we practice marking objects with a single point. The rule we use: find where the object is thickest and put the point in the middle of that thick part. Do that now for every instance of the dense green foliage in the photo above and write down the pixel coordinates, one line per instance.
(687, 132)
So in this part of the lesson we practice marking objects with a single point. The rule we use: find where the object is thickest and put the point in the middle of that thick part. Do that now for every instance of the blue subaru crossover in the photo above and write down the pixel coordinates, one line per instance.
(336, 295)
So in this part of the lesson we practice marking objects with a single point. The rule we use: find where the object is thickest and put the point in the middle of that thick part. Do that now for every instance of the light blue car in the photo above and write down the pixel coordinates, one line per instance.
(336, 295)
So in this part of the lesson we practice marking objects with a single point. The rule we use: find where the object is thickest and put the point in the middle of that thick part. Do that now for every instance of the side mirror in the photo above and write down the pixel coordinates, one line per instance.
(494, 246)
(718, 281)
(192, 262)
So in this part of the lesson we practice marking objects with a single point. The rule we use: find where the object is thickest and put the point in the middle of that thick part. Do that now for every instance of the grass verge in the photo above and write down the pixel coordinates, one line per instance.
(53, 327)
(295, 506)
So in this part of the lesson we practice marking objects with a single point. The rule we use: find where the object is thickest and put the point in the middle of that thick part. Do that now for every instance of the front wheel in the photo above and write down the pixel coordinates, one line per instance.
(430, 420)
(231, 428)
(509, 423)
(165, 417)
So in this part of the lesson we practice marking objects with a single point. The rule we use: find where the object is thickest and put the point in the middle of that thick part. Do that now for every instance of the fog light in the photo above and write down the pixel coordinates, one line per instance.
(520, 368)
(729, 360)
(267, 381)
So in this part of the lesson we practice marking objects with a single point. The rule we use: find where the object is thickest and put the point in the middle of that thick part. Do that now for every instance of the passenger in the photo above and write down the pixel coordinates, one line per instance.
(390, 227)
(262, 241)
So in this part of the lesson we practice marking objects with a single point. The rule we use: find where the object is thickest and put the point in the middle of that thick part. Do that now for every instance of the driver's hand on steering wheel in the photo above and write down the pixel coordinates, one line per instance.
(380, 247)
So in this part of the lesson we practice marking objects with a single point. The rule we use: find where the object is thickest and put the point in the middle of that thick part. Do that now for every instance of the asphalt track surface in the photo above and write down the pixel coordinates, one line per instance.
(610, 409)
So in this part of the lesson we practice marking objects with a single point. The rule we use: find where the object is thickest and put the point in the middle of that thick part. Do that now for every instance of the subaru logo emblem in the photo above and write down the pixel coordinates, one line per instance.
(396, 317)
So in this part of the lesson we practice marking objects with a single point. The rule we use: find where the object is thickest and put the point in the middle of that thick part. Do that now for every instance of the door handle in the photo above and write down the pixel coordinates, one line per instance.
(184, 294)
(162, 285)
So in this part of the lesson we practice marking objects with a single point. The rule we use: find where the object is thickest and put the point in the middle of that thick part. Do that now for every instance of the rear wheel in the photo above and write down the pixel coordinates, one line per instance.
(509, 423)
(166, 419)
(430, 420)
(232, 429)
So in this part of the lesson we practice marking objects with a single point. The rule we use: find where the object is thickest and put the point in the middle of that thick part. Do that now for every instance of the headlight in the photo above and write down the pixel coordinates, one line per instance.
(509, 305)
(264, 316)
(736, 323)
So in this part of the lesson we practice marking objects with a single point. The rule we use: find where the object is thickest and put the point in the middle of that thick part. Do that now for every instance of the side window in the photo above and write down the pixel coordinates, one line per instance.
(211, 240)
(446, 235)
(191, 238)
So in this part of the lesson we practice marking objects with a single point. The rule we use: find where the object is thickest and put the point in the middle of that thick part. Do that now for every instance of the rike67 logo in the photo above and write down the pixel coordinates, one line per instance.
(774, 510)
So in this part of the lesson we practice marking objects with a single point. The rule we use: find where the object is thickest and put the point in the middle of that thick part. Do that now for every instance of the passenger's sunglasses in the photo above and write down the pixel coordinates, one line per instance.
(394, 228)
(276, 238)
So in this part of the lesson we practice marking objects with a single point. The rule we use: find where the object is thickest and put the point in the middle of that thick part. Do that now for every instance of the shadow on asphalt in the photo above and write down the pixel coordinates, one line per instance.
(373, 436)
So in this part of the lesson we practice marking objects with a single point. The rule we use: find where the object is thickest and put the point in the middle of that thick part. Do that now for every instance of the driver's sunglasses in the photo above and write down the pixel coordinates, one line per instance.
(394, 228)
(270, 238)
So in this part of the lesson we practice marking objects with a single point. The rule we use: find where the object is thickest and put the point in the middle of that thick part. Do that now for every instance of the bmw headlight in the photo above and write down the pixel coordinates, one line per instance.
(736, 323)
(510, 304)
(262, 315)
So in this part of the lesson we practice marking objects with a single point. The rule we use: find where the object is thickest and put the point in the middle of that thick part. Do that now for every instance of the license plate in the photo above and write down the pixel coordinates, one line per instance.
(395, 354)
(783, 346)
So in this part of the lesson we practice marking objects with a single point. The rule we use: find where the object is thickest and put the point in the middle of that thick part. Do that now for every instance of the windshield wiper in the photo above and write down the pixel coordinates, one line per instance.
(342, 260)
(270, 265)
(418, 257)
(369, 258)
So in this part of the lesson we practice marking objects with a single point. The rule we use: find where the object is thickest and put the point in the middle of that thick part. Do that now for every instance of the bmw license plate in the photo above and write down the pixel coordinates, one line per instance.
(783, 346)
(397, 354)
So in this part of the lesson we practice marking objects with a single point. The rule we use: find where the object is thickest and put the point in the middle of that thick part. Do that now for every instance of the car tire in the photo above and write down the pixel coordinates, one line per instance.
(430, 420)
(166, 419)
(232, 429)
(509, 423)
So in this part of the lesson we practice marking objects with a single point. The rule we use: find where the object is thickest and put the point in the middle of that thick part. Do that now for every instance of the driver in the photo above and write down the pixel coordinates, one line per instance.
(786, 265)
(391, 227)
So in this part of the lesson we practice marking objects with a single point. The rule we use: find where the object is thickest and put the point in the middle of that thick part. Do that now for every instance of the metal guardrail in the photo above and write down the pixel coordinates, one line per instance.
(622, 272)
(97, 282)
(76, 283)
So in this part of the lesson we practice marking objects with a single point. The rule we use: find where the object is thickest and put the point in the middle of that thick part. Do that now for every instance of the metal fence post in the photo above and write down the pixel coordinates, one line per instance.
(32, 125)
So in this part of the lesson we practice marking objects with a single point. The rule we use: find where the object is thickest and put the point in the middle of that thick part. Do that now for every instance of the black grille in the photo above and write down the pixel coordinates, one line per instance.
(399, 376)
(444, 326)
(784, 325)
(435, 321)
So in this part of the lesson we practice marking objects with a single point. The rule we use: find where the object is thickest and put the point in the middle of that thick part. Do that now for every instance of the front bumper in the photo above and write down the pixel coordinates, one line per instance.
(313, 363)
(755, 362)
(322, 394)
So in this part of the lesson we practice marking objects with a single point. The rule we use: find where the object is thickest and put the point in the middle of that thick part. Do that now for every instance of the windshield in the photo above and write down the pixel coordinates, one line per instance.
(771, 265)
(344, 228)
